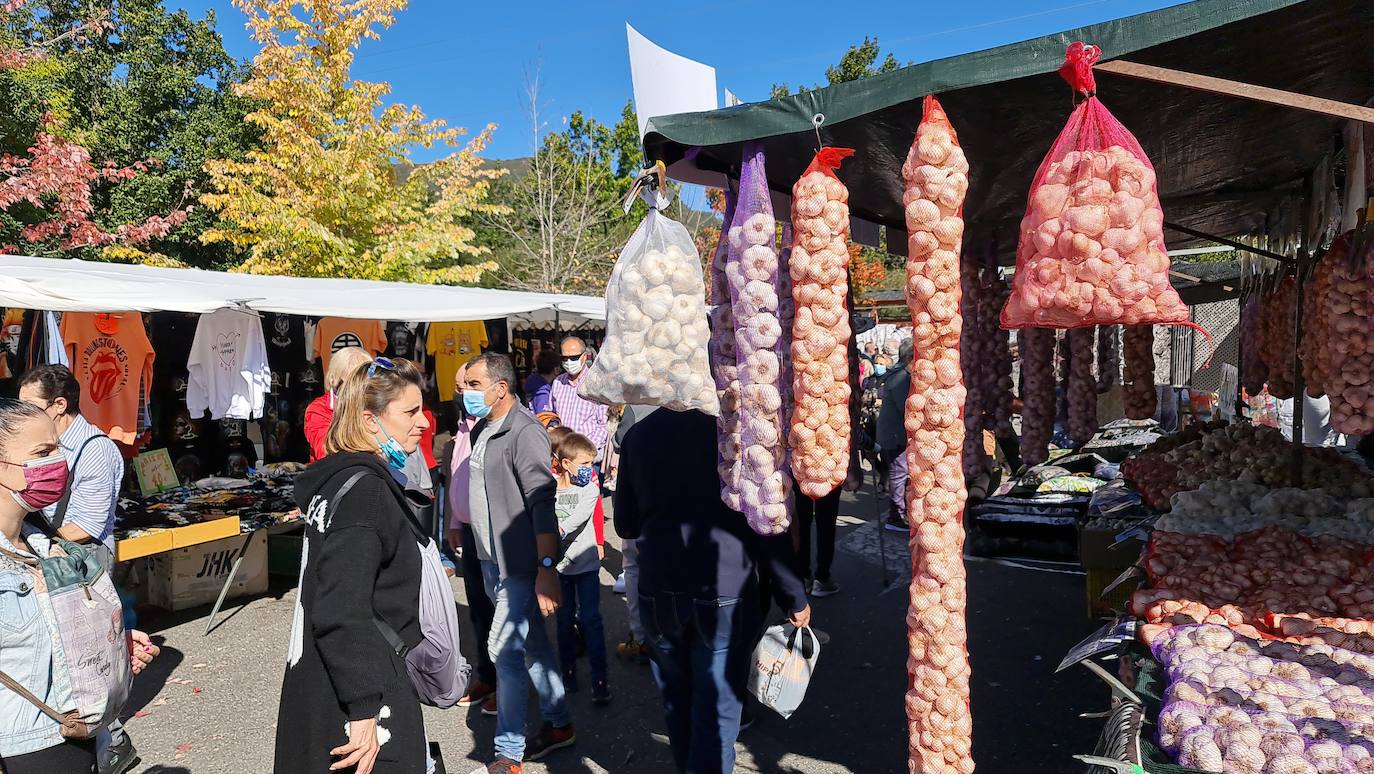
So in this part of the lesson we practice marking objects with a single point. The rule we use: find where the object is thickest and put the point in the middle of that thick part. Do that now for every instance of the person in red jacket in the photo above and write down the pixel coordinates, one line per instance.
(320, 412)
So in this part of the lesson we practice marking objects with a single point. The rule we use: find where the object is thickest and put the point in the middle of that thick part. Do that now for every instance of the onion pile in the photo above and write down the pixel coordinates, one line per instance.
(765, 485)
(1037, 387)
(1139, 396)
(1352, 343)
(819, 269)
(1253, 372)
(1276, 337)
(1082, 386)
(939, 723)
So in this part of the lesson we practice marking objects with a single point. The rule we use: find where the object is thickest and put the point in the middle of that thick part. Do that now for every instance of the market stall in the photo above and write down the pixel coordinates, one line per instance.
(204, 378)
(1212, 123)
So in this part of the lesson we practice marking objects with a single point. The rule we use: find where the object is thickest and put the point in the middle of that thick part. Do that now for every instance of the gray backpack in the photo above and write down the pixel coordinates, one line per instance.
(437, 670)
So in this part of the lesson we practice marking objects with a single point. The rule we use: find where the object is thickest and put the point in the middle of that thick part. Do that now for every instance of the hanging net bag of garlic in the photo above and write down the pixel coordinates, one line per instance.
(940, 726)
(765, 485)
(819, 270)
(1091, 249)
(655, 353)
(724, 368)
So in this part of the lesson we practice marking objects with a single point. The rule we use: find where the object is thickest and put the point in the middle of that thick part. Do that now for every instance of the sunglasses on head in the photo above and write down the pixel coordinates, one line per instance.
(383, 363)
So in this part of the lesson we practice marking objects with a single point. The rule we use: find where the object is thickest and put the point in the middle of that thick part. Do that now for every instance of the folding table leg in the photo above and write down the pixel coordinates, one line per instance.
(224, 591)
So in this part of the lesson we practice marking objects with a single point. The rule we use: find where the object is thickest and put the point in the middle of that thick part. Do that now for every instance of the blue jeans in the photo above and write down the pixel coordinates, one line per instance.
(517, 638)
(582, 602)
(702, 649)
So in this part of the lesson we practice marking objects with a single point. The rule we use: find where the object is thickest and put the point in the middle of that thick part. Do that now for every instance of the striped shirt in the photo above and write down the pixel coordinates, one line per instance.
(94, 481)
(577, 413)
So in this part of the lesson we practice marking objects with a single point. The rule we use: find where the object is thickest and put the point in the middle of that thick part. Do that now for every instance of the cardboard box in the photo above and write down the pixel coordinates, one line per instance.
(187, 577)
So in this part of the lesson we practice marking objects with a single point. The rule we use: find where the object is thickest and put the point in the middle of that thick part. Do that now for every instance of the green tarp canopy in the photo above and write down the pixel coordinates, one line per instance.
(1223, 162)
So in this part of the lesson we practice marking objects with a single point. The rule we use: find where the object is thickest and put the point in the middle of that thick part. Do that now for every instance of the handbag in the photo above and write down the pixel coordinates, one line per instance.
(782, 669)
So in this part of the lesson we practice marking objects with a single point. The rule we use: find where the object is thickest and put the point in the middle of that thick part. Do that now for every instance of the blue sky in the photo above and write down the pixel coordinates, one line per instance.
(468, 62)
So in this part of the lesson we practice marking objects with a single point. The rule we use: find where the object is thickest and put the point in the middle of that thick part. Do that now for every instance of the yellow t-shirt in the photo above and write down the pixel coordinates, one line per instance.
(452, 344)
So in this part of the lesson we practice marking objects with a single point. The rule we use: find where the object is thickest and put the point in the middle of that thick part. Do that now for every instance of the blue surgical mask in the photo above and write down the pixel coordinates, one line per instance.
(880, 369)
(394, 453)
(583, 476)
(475, 403)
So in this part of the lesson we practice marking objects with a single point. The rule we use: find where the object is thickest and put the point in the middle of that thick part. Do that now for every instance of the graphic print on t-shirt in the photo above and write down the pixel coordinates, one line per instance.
(106, 366)
(281, 331)
(345, 339)
(226, 349)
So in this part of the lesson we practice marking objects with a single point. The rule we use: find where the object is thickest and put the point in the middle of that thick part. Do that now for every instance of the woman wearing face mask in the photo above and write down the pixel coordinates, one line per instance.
(346, 699)
(321, 410)
(34, 473)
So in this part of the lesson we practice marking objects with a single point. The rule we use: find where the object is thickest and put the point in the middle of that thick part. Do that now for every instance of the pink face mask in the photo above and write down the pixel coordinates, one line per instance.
(45, 481)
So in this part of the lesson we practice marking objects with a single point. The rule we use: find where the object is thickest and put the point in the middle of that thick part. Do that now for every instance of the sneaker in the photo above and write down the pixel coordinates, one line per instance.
(120, 758)
(896, 524)
(570, 684)
(549, 739)
(824, 588)
(601, 692)
(489, 706)
(619, 586)
(478, 692)
(499, 766)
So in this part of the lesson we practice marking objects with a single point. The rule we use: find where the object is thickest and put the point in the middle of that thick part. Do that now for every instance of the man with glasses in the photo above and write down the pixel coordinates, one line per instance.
(575, 412)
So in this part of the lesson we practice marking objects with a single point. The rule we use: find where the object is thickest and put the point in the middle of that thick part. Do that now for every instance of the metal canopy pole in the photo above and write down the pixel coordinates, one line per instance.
(1299, 386)
(1229, 243)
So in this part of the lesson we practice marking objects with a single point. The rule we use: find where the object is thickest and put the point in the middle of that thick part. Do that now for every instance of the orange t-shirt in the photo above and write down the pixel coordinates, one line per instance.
(334, 333)
(113, 361)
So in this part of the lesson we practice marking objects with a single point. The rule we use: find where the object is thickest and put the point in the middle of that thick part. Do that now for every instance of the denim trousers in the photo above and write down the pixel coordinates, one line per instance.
(519, 644)
(702, 650)
(582, 604)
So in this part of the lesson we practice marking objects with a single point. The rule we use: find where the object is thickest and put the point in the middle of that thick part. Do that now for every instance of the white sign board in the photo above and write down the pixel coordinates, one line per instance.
(666, 83)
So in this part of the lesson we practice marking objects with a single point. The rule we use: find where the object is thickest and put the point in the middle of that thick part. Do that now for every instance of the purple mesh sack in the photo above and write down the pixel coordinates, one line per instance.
(765, 484)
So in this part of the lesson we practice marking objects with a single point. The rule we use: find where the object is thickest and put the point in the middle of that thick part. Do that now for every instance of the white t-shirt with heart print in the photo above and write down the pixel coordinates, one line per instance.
(228, 364)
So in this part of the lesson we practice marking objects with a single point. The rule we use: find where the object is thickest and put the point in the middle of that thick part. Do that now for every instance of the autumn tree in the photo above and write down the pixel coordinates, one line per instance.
(334, 190)
(857, 63)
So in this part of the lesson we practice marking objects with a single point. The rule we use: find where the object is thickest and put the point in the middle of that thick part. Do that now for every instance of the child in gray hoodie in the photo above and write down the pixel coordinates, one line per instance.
(579, 570)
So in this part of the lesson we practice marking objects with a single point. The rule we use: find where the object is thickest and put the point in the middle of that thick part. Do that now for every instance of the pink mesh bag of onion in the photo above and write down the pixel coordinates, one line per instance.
(1091, 248)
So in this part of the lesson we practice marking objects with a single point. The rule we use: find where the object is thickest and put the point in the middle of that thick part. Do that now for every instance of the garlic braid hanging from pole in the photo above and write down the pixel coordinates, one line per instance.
(940, 725)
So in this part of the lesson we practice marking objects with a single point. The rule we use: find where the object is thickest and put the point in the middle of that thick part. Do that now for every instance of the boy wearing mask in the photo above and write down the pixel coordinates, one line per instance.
(579, 571)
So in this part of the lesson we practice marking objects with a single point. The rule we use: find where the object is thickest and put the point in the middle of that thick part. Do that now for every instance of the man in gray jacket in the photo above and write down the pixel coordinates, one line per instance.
(511, 497)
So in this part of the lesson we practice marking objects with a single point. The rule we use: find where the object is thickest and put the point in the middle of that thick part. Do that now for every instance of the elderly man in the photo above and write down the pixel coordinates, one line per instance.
(575, 412)
(511, 492)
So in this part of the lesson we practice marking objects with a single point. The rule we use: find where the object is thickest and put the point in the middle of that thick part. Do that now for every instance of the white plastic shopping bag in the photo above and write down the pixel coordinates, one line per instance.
(782, 670)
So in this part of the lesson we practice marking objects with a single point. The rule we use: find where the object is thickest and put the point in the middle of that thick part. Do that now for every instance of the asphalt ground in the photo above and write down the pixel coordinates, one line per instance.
(209, 703)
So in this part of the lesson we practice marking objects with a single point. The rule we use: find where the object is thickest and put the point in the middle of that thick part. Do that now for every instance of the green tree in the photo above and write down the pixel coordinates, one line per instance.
(857, 63)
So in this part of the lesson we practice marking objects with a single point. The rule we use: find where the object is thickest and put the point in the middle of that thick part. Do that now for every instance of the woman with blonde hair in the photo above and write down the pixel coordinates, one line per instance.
(346, 699)
(321, 410)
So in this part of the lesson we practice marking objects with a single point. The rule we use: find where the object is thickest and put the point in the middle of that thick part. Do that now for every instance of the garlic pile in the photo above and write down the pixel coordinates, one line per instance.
(1082, 386)
(764, 483)
(656, 330)
(1229, 509)
(1352, 346)
(1138, 395)
(940, 726)
(819, 270)
(1038, 393)
(1276, 337)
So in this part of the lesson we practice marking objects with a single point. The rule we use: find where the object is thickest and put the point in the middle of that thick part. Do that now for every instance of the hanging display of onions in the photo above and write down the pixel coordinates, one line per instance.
(1138, 394)
(1253, 372)
(1037, 391)
(1276, 337)
(974, 352)
(993, 297)
(1316, 318)
(1108, 357)
(940, 725)
(1082, 386)
(1352, 346)
(819, 270)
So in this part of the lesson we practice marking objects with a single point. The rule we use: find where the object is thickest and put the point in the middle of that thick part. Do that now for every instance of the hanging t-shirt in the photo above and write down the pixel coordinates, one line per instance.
(452, 344)
(234, 453)
(228, 366)
(286, 349)
(113, 361)
(334, 333)
(402, 341)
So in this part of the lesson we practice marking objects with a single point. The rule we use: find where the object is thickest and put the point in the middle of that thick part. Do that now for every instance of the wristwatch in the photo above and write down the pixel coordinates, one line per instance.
(547, 562)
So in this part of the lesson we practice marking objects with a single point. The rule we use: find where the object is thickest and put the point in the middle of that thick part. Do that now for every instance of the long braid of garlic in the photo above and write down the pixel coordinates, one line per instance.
(940, 726)
(725, 272)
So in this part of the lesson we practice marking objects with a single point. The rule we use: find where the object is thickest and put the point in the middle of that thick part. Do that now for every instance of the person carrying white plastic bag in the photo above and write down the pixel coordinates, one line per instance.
(782, 668)
(656, 330)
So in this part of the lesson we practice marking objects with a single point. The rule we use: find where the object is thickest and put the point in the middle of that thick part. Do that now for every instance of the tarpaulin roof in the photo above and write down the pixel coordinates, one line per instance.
(87, 286)
(1220, 159)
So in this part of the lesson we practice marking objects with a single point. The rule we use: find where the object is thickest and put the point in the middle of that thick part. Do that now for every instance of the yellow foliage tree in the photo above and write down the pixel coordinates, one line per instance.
(332, 191)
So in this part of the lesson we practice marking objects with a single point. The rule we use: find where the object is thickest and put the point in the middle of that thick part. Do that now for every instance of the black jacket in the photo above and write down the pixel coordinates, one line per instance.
(360, 558)
(895, 386)
(668, 496)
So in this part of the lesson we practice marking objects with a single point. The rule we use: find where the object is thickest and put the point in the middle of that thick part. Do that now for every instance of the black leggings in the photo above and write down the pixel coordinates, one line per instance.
(824, 513)
(480, 607)
(70, 757)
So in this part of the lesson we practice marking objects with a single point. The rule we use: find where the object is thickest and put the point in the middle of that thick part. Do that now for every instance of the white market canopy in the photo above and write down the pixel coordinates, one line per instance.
(66, 285)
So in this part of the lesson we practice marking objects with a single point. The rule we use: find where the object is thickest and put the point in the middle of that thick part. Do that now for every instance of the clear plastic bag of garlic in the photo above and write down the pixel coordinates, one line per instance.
(1082, 386)
(939, 723)
(1350, 382)
(1277, 311)
(655, 352)
(764, 481)
(1038, 384)
(819, 433)
(724, 369)
(1138, 372)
